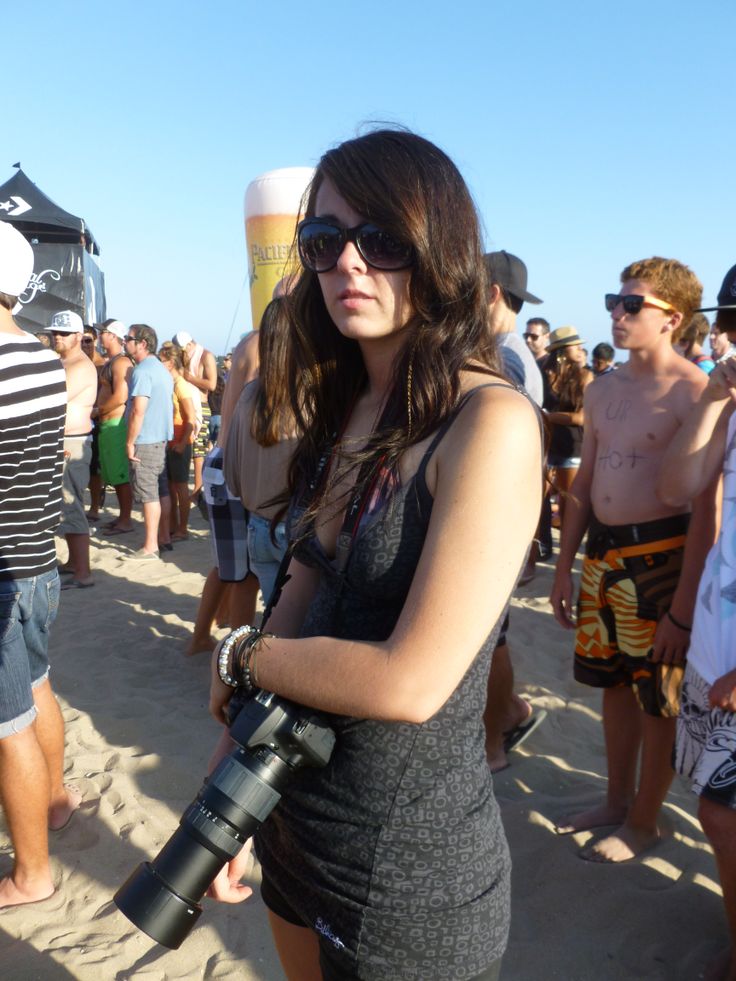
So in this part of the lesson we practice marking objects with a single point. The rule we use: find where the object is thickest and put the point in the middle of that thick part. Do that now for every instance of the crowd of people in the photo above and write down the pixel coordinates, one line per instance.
(386, 459)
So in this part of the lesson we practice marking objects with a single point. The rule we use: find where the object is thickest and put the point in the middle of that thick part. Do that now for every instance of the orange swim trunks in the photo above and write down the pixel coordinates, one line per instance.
(630, 574)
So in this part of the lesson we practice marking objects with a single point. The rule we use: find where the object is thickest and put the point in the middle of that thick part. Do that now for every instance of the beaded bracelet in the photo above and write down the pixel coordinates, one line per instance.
(223, 658)
(680, 626)
(245, 660)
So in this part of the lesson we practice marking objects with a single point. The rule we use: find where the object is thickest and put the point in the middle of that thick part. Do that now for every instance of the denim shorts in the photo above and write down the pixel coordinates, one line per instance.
(28, 607)
(264, 558)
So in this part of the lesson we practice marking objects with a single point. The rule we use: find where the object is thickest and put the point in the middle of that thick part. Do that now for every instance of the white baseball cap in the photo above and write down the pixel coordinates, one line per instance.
(114, 327)
(16, 260)
(67, 322)
(182, 338)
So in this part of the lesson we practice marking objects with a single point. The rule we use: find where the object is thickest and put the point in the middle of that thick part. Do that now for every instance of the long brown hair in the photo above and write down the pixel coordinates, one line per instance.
(567, 380)
(410, 188)
(272, 417)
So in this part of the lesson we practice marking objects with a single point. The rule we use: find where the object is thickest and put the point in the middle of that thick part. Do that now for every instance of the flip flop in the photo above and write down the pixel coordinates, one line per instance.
(140, 556)
(519, 734)
(112, 530)
(76, 584)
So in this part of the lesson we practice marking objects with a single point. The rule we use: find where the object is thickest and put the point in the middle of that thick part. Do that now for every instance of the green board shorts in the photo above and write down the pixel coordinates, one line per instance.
(113, 453)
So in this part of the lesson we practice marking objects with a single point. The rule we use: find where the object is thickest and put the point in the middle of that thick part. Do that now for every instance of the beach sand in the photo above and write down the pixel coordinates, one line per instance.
(138, 741)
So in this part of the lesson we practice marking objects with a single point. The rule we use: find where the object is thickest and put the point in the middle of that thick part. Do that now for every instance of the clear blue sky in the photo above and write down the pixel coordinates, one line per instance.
(589, 134)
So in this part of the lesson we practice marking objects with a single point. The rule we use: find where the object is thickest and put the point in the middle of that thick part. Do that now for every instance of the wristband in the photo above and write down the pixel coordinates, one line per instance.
(245, 660)
(223, 658)
(680, 626)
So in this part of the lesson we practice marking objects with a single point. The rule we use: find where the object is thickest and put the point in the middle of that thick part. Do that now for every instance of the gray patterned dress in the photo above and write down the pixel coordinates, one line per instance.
(395, 853)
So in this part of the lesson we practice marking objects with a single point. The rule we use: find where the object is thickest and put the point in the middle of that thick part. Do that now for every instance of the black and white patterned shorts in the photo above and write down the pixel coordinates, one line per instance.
(705, 749)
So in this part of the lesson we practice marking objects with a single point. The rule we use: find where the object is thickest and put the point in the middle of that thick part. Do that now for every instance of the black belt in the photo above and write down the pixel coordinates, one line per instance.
(602, 537)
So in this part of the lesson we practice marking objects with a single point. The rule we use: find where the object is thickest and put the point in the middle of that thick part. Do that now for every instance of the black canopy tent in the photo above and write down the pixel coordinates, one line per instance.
(66, 275)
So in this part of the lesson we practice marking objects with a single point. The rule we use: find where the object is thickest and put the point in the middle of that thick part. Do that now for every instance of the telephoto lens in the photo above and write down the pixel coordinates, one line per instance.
(274, 738)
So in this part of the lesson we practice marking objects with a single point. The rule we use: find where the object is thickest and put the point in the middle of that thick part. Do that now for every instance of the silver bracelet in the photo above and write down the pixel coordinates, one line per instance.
(223, 658)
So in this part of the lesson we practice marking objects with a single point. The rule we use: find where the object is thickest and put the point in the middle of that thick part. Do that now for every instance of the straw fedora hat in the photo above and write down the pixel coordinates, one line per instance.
(564, 337)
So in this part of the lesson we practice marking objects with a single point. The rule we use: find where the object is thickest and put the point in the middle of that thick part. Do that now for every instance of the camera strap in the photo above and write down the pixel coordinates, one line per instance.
(369, 475)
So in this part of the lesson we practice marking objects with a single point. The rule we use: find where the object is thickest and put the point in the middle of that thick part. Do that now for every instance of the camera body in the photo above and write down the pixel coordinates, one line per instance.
(274, 737)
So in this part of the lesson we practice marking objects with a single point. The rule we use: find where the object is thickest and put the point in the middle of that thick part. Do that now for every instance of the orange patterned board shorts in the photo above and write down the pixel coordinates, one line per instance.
(625, 590)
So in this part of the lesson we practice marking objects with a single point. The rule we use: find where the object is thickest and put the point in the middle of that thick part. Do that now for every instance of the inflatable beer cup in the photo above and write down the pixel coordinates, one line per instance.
(271, 211)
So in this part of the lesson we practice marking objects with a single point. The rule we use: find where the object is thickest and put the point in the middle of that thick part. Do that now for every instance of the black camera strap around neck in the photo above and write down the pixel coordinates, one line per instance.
(368, 476)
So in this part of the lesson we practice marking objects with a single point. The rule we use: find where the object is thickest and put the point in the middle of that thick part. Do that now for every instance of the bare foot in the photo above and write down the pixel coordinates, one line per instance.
(626, 843)
(60, 812)
(13, 895)
(200, 645)
(602, 816)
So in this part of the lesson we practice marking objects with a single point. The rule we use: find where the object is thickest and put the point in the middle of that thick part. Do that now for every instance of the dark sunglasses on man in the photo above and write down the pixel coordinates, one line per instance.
(530, 337)
(321, 242)
(633, 303)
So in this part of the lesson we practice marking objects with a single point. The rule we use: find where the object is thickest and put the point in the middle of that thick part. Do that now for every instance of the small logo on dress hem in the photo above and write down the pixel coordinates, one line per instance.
(326, 930)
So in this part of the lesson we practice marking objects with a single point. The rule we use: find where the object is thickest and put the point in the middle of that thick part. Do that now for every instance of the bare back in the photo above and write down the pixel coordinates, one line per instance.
(630, 419)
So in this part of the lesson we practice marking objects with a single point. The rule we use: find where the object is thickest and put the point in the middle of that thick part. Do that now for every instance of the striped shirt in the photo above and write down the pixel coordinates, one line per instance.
(32, 416)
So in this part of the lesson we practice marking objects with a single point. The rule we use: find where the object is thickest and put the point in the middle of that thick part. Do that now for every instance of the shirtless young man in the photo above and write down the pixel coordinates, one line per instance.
(639, 578)
(111, 402)
(81, 386)
(202, 373)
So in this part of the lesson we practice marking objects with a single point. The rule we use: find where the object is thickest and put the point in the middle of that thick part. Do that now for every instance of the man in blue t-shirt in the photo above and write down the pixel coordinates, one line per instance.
(150, 426)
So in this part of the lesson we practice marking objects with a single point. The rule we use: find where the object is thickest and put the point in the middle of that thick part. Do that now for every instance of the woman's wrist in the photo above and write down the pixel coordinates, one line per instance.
(227, 656)
(236, 660)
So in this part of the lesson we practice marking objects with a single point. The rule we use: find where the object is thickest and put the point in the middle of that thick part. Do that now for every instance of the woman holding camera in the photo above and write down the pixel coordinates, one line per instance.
(415, 492)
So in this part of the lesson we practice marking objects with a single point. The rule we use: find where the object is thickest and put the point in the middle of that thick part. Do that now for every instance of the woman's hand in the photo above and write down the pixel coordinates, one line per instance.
(722, 381)
(723, 692)
(220, 693)
(227, 887)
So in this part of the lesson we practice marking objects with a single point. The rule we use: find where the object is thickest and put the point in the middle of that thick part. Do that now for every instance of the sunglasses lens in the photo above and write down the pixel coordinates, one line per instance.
(633, 303)
(612, 301)
(382, 250)
(320, 245)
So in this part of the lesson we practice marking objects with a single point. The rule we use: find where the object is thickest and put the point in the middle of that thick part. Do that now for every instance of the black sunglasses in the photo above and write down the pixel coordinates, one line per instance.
(129, 337)
(321, 242)
(633, 303)
(531, 337)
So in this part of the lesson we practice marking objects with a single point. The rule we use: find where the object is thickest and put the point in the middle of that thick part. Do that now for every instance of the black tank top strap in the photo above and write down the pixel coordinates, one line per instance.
(422, 469)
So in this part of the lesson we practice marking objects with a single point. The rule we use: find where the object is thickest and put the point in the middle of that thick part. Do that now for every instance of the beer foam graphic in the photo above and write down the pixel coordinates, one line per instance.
(271, 210)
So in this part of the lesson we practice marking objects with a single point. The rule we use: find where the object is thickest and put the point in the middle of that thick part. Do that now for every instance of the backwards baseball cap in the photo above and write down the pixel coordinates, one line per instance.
(16, 260)
(182, 338)
(66, 322)
(726, 295)
(509, 272)
(113, 327)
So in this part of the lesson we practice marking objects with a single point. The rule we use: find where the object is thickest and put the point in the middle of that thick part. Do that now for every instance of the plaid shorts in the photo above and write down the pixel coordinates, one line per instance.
(228, 521)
